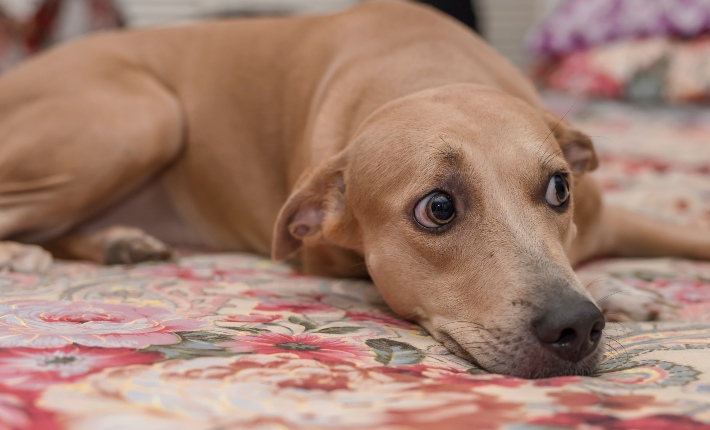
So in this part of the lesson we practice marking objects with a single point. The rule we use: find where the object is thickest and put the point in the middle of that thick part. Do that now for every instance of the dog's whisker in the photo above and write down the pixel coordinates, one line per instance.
(596, 136)
(556, 153)
(626, 352)
(552, 156)
(556, 125)
(601, 278)
(467, 344)
(618, 325)
(470, 323)
(608, 295)
(409, 316)
(612, 351)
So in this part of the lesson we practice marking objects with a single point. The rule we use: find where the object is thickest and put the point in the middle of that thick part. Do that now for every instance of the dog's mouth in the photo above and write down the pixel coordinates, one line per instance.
(512, 355)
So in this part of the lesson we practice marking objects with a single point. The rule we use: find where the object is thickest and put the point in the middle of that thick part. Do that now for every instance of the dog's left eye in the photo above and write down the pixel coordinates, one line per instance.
(557, 191)
(435, 210)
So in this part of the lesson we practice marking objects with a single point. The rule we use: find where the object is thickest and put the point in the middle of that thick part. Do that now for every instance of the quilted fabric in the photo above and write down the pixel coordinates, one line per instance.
(648, 70)
(235, 341)
(576, 24)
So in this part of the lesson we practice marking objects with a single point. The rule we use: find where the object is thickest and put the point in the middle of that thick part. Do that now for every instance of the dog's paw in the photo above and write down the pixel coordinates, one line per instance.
(18, 257)
(125, 245)
(622, 303)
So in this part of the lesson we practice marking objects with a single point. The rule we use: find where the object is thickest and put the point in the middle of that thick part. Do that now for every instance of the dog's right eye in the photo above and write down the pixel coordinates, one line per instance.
(557, 193)
(435, 210)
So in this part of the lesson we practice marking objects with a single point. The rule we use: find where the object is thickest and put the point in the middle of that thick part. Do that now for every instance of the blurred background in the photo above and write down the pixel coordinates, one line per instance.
(504, 22)
(645, 51)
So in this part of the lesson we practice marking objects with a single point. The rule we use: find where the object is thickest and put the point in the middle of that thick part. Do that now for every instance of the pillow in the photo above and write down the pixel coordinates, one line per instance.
(646, 70)
(576, 24)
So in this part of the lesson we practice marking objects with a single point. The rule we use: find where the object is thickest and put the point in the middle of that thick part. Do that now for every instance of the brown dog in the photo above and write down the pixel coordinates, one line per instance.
(387, 135)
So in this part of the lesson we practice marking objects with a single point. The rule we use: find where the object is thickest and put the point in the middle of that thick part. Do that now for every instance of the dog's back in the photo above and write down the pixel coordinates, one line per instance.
(239, 99)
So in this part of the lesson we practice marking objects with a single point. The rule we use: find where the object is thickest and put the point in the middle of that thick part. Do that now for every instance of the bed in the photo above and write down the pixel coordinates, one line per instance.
(226, 341)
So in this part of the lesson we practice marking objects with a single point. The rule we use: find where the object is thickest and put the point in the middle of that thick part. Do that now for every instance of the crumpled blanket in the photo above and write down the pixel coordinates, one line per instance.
(652, 70)
(579, 24)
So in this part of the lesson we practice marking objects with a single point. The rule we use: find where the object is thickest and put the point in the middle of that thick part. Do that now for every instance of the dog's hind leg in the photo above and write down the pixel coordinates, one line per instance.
(65, 157)
(607, 231)
(627, 234)
(622, 233)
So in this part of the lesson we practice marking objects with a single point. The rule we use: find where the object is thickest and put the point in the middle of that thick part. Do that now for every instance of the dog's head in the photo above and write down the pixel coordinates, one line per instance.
(460, 200)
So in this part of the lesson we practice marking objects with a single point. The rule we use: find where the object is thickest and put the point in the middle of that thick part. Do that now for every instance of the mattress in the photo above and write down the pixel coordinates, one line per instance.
(230, 341)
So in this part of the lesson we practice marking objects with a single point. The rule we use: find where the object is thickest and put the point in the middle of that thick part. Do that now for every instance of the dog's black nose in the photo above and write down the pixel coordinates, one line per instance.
(571, 330)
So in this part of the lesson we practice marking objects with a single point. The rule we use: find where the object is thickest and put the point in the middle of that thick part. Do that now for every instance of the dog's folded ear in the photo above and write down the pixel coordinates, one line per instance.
(576, 146)
(315, 213)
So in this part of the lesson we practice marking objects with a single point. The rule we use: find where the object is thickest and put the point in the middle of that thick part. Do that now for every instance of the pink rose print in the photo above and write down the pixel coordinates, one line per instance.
(302, 345)
(252, 317)
(35, 369)
(259, 294)
(18, 412)
(619, 403)
(54, 324)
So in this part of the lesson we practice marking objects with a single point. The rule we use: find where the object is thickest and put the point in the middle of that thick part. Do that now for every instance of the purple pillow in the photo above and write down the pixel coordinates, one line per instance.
(576, 24)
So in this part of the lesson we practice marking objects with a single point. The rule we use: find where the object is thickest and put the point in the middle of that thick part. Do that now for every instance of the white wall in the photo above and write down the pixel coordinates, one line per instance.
(505, 22)
(19, 8)
(152, 12)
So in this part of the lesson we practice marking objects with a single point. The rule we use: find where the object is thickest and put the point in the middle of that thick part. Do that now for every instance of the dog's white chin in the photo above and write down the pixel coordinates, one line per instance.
(529, 361)
(548, 366)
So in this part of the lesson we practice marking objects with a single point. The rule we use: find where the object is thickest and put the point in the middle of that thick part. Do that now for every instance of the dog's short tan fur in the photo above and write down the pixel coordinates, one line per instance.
(325, 131)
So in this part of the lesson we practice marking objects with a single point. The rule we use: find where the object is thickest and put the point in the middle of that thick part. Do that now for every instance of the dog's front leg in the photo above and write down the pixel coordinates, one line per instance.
(621, 302)
(114, 245)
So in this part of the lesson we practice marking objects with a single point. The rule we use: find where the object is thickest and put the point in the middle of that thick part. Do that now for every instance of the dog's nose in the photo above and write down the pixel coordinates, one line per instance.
(571, 330)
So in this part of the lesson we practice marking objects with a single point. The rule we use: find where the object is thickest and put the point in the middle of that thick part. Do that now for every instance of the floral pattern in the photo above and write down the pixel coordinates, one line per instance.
(236, 341)
(42, 324)
(301, 345)
(649, 71)
(34, 368)
(576, 24)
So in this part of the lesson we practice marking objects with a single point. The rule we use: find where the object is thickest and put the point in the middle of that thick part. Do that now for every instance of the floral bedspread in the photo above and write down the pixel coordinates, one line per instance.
(235, 341)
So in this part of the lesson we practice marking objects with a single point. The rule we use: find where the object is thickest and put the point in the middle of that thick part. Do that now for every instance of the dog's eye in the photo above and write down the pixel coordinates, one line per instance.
(557, 191)
(435, 210)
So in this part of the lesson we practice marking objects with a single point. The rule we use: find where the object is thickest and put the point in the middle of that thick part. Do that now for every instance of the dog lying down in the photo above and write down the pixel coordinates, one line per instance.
(386, 141)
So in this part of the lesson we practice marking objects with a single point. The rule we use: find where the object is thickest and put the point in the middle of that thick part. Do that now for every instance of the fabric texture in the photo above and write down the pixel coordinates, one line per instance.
(644, 70)
(637, 50)
(235, 341)
(578, 24)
